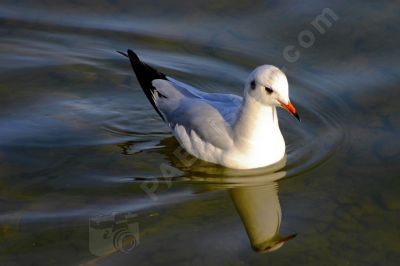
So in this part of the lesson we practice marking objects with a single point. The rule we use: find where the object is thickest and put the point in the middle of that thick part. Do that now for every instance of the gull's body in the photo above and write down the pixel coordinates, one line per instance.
(225, 129)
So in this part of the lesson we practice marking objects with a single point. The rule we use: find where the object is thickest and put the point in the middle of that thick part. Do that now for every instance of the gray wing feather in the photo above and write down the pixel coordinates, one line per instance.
(227, 104)
(210, 115)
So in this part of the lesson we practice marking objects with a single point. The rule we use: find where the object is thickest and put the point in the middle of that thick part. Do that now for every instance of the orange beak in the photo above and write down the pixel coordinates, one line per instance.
(291, 109)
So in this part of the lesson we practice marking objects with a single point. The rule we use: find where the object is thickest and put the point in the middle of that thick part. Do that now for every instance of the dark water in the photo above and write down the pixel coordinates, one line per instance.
(85, 161)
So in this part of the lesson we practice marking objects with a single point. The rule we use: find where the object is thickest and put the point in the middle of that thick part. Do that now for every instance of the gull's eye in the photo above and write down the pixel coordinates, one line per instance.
(253, 85)
(269, 90)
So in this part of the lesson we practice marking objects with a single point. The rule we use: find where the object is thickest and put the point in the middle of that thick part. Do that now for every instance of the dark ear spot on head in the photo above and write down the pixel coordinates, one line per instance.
(253, 85)
(269, 90)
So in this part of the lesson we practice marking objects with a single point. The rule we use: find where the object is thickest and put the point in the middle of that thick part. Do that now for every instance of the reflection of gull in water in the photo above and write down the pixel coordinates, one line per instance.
(255, 196)
(260, 211)
(254, 193)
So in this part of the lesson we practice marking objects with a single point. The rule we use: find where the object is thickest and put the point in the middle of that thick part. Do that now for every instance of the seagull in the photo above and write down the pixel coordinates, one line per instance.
(225, 129)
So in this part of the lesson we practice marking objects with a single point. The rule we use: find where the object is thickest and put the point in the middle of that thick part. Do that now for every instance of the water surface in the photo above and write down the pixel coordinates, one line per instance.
(82, 150)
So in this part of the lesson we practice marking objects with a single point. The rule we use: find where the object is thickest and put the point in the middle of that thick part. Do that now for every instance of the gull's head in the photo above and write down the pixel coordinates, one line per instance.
(268, 85)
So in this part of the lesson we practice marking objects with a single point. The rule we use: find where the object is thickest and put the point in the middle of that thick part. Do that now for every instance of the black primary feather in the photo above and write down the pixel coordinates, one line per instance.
(145, 74)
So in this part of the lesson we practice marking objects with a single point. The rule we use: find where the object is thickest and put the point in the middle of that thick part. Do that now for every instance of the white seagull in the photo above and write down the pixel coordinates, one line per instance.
(233, 131)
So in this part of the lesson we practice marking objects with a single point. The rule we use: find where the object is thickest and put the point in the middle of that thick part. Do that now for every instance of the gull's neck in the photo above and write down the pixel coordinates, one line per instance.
(257, 127)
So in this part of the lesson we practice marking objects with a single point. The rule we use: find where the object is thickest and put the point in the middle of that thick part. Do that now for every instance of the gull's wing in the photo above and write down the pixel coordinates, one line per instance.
(206, 115)
(193, 117)
(227, 104)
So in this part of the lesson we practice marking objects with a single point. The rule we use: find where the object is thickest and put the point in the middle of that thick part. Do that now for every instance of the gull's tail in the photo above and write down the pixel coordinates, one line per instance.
(145, 74)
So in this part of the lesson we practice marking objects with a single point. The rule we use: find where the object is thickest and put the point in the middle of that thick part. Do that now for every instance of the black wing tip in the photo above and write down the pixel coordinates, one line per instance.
(145, 74)
(124, 54)
(130, 54)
